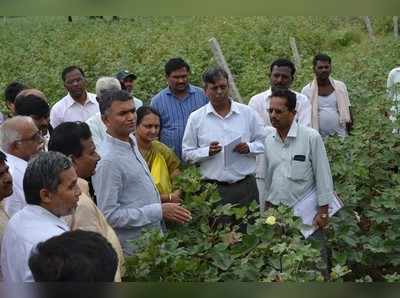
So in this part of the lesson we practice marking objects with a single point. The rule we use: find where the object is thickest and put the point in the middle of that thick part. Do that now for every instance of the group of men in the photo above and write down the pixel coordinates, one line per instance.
(276, 158)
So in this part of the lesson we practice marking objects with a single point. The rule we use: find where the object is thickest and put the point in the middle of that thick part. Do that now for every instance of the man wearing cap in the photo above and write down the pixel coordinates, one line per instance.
(127, 80)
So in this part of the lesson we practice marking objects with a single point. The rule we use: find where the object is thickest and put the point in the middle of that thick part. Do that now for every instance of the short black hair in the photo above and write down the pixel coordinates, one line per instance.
(31, 104)
(144, 111)
(68, 69)
(321, 57)
(3, 157)
(284, 62)
(175, 64)
(291, 98)
(75, 256)
(12, 90)
(213, 74)
(66, 138)
(109, 96)
(43, 171)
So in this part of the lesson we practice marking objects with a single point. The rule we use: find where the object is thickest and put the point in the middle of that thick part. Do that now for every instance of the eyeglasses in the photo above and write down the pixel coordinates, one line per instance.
(37, 137)
(278, 112)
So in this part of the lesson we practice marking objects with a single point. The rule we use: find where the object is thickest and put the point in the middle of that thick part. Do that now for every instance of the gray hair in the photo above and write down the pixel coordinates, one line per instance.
(10, 130)
(44, 171)
(106, 84)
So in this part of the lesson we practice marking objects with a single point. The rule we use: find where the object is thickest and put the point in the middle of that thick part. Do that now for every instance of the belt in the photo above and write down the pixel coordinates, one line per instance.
(223, 183)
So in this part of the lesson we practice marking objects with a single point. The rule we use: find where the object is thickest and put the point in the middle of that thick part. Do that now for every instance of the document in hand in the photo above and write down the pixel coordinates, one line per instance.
(307, 209)
(230, 157)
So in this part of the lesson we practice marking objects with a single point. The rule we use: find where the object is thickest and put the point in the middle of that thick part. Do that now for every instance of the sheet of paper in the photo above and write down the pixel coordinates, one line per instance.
(307, 209)
(229, 155)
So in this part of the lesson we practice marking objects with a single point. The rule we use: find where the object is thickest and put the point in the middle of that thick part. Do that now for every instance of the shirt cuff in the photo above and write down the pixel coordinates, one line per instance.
(153, 212)
(325, 199)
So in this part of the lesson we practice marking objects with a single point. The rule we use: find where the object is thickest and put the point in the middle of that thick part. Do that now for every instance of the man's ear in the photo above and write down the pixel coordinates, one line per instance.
(45, 196)
(104, 118)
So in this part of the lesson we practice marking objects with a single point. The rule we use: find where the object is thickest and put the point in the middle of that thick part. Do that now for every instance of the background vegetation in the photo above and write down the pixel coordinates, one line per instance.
(365, 236)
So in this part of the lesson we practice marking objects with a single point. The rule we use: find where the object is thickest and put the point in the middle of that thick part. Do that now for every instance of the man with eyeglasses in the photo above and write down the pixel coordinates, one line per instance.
(282, 75)
(33, 103)
(78, 104)
(20, 140)
(295, 162)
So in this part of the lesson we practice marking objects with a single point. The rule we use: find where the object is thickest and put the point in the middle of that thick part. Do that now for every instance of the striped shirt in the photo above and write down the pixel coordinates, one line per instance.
(174, 114)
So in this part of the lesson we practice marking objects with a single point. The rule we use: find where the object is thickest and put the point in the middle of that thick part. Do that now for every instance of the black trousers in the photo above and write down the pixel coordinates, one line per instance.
(241, 193)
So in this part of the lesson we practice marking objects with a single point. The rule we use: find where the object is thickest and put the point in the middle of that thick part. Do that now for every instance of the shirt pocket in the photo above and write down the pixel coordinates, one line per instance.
(299, 170)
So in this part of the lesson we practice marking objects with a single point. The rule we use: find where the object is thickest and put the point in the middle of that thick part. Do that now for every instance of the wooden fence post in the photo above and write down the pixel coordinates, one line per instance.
(368, 25)
(295, 51)
(219, 57)
(396, 26)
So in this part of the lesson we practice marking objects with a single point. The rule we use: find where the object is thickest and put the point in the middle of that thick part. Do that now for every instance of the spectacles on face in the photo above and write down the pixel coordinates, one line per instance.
(277, 111)
(37, 137)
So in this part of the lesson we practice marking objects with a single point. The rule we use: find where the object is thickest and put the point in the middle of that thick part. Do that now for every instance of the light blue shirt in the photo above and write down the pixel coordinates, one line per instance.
(295, 166)
(125, 191)
(174, 114)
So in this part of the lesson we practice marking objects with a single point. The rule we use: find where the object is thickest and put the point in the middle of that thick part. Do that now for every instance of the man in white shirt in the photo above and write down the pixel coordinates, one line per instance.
(393, 91)
(216, 124)
(20, 139)
(78, 104)
(5, 191)
(51, 191)
(330, 104)
(127, 81)
(282, 73)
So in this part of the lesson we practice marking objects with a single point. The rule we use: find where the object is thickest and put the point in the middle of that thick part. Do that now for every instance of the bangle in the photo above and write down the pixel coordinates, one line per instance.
(170, 197)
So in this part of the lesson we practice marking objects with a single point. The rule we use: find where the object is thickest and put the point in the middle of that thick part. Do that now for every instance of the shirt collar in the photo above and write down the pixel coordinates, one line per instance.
(16, 162)
(121, 144)
(70, 101)
(292, 131)
(189, 89)
(42, 212)
(234, 108)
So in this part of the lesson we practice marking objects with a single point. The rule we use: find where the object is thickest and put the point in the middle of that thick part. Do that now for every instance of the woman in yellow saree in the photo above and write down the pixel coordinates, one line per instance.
(161, 160)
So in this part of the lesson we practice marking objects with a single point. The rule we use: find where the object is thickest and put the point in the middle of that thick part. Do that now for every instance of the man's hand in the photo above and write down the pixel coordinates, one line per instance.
(215, 148)
(242, 148)
(322, 217)
(175, 213)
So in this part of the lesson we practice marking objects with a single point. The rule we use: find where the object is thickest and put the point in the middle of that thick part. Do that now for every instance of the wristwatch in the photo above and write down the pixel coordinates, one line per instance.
(324, 215)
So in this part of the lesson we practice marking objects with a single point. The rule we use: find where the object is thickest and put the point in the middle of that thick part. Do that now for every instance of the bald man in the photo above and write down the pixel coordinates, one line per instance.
(20, 139)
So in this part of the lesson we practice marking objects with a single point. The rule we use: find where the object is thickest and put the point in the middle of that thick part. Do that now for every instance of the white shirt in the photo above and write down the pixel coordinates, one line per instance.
(24, 231)
(67, 109)
(16, 201)
(98, 128)
(296, 165)
(260, 103)
(393, 84)
(205, 126)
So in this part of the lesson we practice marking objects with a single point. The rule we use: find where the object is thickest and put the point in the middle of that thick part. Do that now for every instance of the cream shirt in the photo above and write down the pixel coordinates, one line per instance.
(88, 217)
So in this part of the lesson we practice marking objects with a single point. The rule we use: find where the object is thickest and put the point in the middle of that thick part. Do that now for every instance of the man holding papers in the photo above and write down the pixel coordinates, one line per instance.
(224, 137)
(296, 162)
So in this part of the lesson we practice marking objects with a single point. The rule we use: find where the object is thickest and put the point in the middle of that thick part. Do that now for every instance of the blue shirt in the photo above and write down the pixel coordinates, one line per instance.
(125, 191)
(174, 114)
